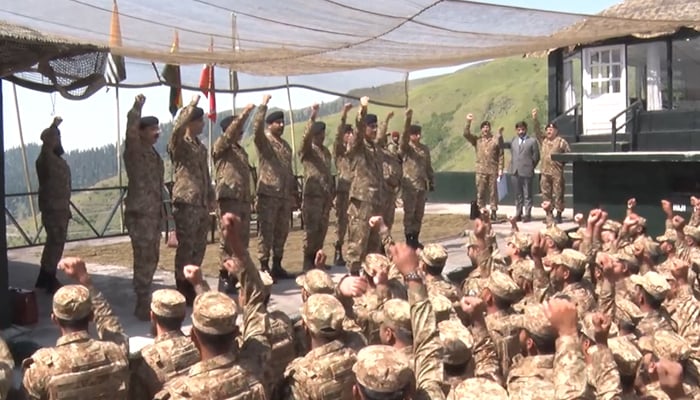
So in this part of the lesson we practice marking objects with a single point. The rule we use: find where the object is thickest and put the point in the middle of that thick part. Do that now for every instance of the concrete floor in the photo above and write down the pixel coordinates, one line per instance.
(115, 282)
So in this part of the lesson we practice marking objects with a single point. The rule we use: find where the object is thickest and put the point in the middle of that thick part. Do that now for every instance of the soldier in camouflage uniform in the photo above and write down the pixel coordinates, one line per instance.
(233, 179)
(341, 145)
(478, 389)
(326, 371)
(277, 188)
(392, 169)
(172, 353)
(382, 371)
(418, 179)
(318, 188)
(144, 200)
(489, 163)
(7, 365)
(650, 294)
(552, 182)
(432, 262)
(54, 203)
(627, 357)
(192, 195)
(566, 278)
(366, 191)
(80, 367)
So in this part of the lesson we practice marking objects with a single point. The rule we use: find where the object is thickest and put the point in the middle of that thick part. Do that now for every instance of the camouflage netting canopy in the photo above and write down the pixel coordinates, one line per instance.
(311, 41)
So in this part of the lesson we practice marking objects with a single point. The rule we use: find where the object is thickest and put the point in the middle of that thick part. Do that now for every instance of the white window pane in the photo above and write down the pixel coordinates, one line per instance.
(605, 87)
(595, 58)
(615, 86)
(605, 57)
(595, 71)
(616, 56)
(595, 88)
(605, 71)
(616, 71)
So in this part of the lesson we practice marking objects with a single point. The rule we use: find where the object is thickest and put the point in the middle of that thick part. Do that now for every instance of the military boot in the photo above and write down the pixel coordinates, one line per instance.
(416, 241)
(493, 215)
(277, 271)
(227, 283)
(557, 217)
(308, 262)
(186, 289)
(338, 258)
(265, 265)
(142, 311)
(47, 281)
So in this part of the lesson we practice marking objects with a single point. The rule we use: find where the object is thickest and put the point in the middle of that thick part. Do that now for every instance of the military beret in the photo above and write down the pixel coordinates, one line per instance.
(370, 119)
(168, 303)
(375, 261)
(72, 303)
(274, 117)
(214, 313)
(316, 281)
(504, 287)
(317, 128)
(383, 369)
(535, 322)
(457, 342)
(653, 283)
(559, 237)
(442, 307)
(224, 124)
(478, 389)
(397, 314)
(626, 354)
(434, 255)
(147, 122)
(323, 314)
(197, 113)
(414, 129)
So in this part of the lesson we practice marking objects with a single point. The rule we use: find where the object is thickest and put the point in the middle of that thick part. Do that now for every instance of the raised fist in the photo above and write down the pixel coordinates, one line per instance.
(470, 117)
(364, 101)
(266, 99)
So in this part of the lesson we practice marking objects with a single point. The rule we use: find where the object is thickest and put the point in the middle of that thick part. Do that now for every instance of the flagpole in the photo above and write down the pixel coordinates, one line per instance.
(209, 152)
(291, 123)
(119, 159)
(27, 181)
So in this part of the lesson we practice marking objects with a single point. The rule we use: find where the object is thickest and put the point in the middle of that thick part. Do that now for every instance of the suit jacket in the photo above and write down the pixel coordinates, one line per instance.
(524, 157)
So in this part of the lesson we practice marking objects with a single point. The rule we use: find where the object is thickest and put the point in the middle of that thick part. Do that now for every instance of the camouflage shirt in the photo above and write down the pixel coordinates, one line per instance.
(316, 159)
(7, 364)
(417, 167)
(325, 373)
(489, 151)
(233, 175)
(275, 176)
(144, 169)
(342, 162)
(189, 157)
(366, 161)
(54, 181)
(556, 145)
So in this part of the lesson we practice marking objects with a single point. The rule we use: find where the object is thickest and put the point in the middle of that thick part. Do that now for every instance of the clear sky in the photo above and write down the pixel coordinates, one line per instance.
(93, 122)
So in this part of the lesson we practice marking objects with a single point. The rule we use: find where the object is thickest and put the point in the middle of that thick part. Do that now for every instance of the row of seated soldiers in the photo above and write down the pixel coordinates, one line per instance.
(545, 321)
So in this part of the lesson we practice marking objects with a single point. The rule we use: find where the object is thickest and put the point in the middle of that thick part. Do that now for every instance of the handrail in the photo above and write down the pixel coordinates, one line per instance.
(576, 108)
(632, 107)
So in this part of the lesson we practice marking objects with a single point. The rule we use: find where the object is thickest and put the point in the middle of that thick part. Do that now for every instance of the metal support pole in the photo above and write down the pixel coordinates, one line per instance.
(27, 180)
(4, 276)
(119, 160)
(291, 124)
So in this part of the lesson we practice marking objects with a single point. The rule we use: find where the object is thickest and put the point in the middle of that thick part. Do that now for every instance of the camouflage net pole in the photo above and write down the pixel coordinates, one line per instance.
(291, 124)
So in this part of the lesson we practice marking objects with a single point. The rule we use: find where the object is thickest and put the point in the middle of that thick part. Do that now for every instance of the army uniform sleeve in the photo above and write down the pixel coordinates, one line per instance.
(606, 377)
(565, 148)
(426, 346)
(404, 147)
(381, 133)
(36, 377)
(339, 143)
(228, 139)
(133, 118)
(306, 141)
(387, 241)
(177, 137)
(486, 361)
(7, 364)
(293, 375)
(108, 326)
(261, 143)
(538, 130)
(361, 127)
(429, 169)
(570, 377)
(468, 134)
(256, 324)
(501, 155)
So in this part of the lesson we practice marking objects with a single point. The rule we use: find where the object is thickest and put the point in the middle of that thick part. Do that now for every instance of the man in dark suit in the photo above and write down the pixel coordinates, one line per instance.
(525, 154)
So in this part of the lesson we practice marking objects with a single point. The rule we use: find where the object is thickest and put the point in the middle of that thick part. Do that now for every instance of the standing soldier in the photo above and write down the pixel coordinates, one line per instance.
(366, 191)
(144, 201)
(54, 203)
(193, 195)
(233, 194)
(417, 179)
(318, 187)
(342, 191)
(391, 166)
(551, 172)
(277, 190)
(489, 163)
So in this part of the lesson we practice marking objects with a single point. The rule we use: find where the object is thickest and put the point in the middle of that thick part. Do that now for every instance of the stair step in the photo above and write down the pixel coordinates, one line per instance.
(607, 138)
(598, 147)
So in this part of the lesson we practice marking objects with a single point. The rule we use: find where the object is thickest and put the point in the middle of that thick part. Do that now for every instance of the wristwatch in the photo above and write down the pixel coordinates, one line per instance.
(413, 276)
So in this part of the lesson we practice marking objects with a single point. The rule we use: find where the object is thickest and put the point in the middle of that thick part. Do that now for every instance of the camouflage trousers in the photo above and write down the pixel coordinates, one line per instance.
(486, 185)
(389, 213)
(315, 210)
(552, 188)
(361, 239)
(144, 232)
(342, 200)
(274, 215)
(242, 209)
(413, 209)
(191, 227)
(56, 227)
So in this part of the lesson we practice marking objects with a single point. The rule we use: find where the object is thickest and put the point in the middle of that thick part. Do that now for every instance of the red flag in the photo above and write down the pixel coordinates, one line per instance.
(206, 85)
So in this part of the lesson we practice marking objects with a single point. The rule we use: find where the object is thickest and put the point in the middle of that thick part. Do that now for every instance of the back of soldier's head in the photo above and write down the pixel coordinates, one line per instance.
(382, 373)
(214, 321)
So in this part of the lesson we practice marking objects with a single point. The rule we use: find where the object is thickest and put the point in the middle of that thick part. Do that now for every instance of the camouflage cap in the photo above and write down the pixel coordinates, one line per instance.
(266, 279)
(504, 287)
(442, 307)
(587, 327)
(214, 313)
(653, 283)
(521, 241)
(669, 236)
(316, 281)
(523, 269)
(560, 237)
(577, 235)
(612, 226)
(622, 256)
(626, 354)
(478, 389)
(570, 258)
(625, 310)
(535, 322)
(382, 369)
(323, 314)
(374, 262)
(457, 342)
(434, 255)
(666, 344)
(72, 303)
(168, 303)
(693, 232)
(397, 314)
